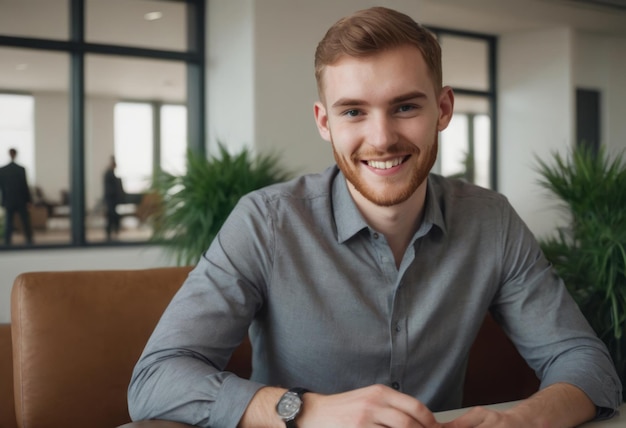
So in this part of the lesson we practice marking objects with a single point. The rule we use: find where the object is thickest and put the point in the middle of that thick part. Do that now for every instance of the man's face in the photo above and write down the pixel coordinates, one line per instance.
(382, 115)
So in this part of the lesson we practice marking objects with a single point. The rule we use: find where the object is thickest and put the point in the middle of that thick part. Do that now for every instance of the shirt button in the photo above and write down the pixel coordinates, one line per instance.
(384, 259)
(375, 235)
(395, 386)
(398, 328)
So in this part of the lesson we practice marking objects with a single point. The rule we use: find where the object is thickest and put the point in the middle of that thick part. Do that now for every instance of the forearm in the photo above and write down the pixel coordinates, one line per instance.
(186, 389)
(559, 405)
(261, 413)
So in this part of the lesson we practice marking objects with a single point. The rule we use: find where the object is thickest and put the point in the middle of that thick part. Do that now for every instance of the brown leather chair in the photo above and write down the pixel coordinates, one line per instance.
(77, 335)
(7, 409)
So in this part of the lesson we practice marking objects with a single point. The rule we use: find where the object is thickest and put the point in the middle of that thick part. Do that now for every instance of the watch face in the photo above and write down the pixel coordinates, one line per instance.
(289, 406)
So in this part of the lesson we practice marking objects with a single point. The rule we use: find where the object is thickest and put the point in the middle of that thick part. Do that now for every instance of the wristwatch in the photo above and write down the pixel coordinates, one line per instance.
(289, 406)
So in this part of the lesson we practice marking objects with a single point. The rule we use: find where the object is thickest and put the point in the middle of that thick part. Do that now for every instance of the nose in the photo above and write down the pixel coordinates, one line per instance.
(382, 133)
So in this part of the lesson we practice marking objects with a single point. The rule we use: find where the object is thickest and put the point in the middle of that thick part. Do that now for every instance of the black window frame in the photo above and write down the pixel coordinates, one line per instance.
(77, 49)
(491, 94)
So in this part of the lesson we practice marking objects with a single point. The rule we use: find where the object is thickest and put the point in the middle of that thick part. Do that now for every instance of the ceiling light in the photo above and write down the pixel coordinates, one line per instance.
(153, 16)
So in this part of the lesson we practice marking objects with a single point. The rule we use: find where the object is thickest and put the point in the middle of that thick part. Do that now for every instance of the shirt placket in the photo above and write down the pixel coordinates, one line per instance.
(397, 319)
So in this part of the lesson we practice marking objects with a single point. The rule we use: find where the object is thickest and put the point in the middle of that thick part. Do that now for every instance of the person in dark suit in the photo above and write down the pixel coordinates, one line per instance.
(15, 198)
(113, 195)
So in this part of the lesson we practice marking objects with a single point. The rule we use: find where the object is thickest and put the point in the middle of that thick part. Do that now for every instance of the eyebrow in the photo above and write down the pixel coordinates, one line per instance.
(344, 102)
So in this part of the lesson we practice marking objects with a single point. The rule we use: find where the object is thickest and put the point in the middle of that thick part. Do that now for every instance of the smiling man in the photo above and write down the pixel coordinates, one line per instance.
(384, 133)
(362, 287)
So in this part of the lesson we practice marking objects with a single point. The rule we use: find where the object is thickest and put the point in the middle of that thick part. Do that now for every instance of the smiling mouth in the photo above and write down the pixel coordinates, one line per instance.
(386, 164)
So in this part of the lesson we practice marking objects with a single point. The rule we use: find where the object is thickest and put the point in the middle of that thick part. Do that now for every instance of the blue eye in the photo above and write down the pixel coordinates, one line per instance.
(351, 113)
(406, 108)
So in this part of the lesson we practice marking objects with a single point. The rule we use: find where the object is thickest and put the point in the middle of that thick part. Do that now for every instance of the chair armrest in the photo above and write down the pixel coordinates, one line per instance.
(155, 424)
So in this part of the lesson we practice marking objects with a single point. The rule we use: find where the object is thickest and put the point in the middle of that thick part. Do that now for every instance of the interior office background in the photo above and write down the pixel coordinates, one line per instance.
(260, 90)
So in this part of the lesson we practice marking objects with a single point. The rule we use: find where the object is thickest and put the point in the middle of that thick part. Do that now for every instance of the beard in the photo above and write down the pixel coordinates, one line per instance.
(398, 189)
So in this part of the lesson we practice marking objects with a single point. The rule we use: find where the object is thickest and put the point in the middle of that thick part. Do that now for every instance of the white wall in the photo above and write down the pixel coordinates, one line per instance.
(599, 63)
(615, 130)
(535, 117)
(230, 74)
(99, 146)
(52, 147)
(285, 82)
(52, 144)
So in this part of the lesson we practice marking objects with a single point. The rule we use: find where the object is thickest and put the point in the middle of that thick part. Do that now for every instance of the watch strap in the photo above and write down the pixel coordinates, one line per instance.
(300, 392)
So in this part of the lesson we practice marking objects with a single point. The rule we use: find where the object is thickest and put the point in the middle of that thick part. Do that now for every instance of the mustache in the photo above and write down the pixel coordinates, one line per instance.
(400, 148)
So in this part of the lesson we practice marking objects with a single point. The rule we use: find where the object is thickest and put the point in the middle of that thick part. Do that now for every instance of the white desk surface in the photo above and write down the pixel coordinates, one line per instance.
(619, 420)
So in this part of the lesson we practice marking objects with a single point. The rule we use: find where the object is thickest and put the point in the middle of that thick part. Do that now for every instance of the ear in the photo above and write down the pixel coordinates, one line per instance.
(446, 107)
(321, 120)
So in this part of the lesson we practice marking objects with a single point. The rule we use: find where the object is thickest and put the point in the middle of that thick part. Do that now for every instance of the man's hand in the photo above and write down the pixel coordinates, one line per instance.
(560, 406)
(372, 406)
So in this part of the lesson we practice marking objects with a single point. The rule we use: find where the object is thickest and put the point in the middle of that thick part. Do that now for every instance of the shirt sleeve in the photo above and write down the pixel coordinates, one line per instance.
(546, 325)
(179, 375)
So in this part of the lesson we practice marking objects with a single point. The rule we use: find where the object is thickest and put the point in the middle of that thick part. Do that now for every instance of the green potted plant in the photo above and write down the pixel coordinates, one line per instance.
(590, 253)
(195, 204)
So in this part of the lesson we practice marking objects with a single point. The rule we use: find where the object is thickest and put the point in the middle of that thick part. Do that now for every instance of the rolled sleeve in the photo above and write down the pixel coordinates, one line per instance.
(234, 397)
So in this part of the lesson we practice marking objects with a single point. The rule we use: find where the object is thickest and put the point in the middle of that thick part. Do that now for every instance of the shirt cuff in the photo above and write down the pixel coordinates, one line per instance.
(233, 399)
(604, 413)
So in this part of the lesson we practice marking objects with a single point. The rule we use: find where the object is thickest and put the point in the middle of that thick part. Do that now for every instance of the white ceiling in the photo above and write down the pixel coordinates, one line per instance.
(28, 70)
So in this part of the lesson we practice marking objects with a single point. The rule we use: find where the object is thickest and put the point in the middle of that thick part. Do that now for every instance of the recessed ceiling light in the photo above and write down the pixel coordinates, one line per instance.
(153, 16)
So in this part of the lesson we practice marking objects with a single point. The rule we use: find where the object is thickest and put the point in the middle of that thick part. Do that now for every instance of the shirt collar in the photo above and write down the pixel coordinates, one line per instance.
(349, 220)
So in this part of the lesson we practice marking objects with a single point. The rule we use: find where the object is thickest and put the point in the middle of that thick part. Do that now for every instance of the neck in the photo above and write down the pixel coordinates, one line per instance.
(398, 223)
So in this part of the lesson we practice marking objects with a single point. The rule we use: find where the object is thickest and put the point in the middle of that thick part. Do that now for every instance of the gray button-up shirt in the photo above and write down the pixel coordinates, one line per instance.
(329, 310)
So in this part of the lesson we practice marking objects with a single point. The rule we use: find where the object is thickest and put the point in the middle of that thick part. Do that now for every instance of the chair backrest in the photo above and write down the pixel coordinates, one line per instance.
(76, 338)
(496, 372)
(7, 407)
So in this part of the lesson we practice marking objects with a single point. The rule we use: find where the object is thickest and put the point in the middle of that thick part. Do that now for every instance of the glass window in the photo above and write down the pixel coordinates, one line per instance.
(133, 145)
(465, 150)
(127, 78)
(153, 24)
(16, 131)
(173, 138)
(455, 147)
(35, 120)
(467, 145)
(131, 104)
(124, 96)
(482, 150)
(34, 18)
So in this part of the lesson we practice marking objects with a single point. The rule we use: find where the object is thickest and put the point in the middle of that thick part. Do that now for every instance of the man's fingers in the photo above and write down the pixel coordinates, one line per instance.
(412, 410)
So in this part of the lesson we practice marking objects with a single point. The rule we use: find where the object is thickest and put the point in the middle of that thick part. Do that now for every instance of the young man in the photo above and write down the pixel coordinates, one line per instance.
(364, 286)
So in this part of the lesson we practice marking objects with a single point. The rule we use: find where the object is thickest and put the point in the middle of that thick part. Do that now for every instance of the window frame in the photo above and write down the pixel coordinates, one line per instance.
(490, 94)
(78, 48)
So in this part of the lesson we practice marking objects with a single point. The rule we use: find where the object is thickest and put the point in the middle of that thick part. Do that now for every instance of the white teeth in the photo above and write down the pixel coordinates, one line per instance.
(384, 164)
